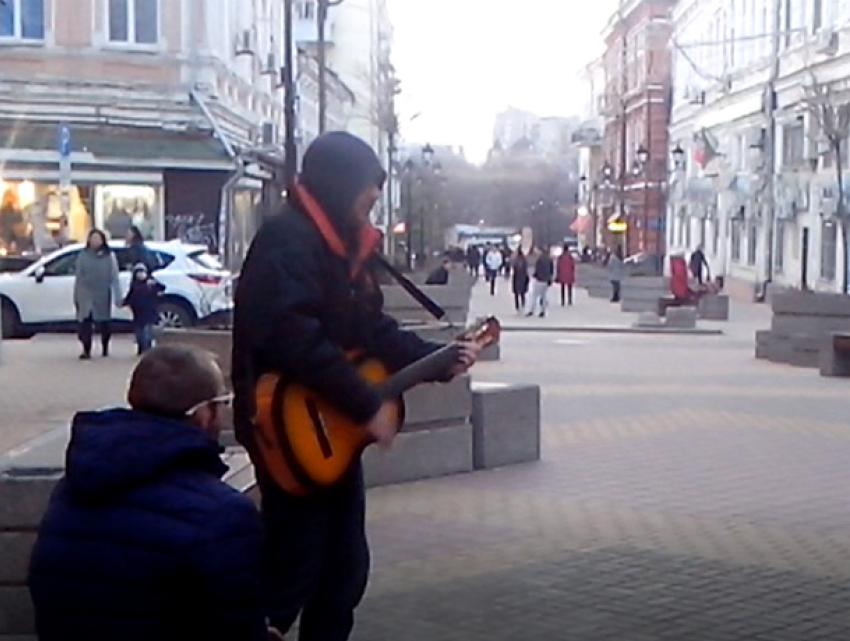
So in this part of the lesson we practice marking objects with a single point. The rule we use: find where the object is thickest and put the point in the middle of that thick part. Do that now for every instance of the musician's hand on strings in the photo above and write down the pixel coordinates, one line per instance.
(274, 635)
(469, 352)
(384, 425)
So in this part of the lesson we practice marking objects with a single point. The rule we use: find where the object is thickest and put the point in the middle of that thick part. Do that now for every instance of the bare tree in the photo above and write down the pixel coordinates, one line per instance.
(832, 120)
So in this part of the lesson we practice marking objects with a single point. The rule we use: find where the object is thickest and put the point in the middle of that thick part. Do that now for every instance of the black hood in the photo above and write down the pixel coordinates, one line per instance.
(336, 169)
(115, 450)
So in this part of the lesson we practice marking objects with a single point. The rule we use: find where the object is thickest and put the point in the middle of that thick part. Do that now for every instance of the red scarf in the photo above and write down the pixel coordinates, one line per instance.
(370, 237)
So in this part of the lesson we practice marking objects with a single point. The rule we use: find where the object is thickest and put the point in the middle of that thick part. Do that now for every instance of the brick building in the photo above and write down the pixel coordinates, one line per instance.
(635, 110)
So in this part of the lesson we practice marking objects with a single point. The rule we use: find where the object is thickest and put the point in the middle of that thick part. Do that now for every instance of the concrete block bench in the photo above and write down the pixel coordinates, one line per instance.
(713, 307)
(669, 301)
(835, 355)
(682, 317)
(505, 424)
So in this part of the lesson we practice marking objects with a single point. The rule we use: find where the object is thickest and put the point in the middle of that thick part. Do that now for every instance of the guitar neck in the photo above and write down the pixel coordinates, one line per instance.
(433, 366)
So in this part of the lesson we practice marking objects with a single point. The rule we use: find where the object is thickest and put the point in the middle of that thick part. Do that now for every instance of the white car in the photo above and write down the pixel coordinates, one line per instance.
(197, 288)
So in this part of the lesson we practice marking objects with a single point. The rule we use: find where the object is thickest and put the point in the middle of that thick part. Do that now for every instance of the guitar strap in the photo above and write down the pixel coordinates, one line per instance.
(431, 306)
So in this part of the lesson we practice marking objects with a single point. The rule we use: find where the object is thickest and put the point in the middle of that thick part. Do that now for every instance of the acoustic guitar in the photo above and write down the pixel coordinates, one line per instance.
(306, 444)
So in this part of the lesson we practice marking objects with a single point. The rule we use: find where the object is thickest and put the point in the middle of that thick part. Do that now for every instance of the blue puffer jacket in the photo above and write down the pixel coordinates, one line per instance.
(142, 540)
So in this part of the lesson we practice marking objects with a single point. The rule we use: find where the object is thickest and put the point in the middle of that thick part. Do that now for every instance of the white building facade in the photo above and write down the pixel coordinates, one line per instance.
(756, 232)
(358, 36)
(154, 99)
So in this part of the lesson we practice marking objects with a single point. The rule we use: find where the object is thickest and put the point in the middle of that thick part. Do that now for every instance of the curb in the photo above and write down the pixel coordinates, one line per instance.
(616, 330)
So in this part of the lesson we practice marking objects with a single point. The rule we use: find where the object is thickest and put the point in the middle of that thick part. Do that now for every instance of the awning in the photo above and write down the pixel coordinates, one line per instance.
(28, 144)
(582, 224)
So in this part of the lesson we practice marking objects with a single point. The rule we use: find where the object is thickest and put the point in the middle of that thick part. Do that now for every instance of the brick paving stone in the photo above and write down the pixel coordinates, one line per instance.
(686, 492)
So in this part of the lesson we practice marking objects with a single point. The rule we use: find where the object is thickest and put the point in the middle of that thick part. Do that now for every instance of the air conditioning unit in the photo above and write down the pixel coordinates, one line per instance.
(269, 134)
(245, 43)
(827, 42)
(270, 68)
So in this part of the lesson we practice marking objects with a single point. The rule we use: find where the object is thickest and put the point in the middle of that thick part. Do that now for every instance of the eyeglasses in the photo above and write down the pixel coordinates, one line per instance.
(224, 399)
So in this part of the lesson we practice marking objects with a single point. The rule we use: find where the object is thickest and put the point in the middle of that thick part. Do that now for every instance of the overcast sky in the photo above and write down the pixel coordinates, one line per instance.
(463, 61)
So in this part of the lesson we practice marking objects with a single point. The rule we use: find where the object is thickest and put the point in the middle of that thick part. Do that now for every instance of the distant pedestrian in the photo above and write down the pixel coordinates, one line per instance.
(440, 275)
(520, 279)
(143, 299)
(473, 260)
(616, 270)
(137, 251)
(566, 276)
(506, 261)
(696, 264)
(544, 274)
(96, 290)
(492, 265)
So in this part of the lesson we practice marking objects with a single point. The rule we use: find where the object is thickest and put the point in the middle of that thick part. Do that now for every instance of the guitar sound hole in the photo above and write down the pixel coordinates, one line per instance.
(319, 427)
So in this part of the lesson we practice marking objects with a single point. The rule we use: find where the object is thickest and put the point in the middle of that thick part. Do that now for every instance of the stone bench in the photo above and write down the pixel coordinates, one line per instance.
(670, 301)
(835, 355)
(681, 318)
(713, 307)
(505, 424)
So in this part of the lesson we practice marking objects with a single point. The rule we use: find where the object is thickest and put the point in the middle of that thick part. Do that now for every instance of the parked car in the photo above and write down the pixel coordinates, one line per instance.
(198, 289)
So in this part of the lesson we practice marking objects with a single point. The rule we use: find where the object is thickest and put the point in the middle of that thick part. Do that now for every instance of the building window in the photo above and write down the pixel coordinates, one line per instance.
(134, 21)
(817, 15)
(780, 246)
(828, 250)
(118, 207)
(793, 140)
(306, 10)
(22, 19)
(752, 244)
(736, 240)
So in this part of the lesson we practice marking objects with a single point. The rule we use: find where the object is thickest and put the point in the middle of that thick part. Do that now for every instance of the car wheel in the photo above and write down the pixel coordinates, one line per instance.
(174, 315)
(11, 320)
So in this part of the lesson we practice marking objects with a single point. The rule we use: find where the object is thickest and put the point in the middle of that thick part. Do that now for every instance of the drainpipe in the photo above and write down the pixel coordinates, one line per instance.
(226, 212)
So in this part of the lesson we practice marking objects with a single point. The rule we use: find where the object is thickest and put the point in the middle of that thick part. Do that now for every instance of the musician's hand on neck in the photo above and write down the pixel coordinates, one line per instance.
(469, 352)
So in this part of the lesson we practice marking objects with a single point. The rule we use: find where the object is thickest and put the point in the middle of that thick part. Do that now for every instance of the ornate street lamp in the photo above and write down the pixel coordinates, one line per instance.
(428, 154)
(678, 156)
(642, 155)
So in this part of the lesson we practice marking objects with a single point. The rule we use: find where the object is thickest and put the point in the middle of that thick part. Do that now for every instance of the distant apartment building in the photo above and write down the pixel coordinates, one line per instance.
(358, 36)
(133, 112)
(522, 135)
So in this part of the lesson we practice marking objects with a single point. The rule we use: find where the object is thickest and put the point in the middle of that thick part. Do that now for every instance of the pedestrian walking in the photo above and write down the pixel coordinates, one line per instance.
(544, 273)
(143, 299)
(473, 260)
(96, 289)
(519, 279)
(696, 264)
(616, 269)
(492, 264)
(566, 275)
(137, 251)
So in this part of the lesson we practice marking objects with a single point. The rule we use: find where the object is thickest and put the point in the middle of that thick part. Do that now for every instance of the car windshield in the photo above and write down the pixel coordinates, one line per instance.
(207, 260)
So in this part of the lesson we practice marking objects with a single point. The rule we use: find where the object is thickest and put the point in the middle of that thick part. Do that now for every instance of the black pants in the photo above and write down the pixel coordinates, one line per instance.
(318, 559)
(491, 278)
(615, 291)
(568, 290)
(519, 301)
(85, 332)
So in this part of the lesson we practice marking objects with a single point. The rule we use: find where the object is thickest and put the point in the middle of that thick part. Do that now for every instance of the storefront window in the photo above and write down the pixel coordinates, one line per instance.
(32, 219)
(120, 207)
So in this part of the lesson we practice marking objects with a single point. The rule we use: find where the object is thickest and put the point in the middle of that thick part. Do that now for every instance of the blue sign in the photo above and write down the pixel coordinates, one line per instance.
(64, 141)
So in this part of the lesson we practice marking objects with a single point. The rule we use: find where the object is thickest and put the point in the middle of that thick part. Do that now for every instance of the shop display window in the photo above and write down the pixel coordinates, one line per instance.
(120, 207)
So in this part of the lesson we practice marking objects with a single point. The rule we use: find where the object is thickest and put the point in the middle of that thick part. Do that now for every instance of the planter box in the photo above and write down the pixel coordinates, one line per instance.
(713, 307)
(505, 424)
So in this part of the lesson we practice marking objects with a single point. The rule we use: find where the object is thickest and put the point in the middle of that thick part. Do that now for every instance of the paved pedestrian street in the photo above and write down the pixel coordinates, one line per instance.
(687, 492)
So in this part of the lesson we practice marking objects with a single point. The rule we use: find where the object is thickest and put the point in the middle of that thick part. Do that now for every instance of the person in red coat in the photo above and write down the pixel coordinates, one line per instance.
(566, 275)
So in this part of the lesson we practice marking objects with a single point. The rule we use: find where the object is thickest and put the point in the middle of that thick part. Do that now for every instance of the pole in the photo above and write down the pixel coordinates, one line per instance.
(321, 22)
(770, 141)
(623, 133)
(290, 150)
(390, 246)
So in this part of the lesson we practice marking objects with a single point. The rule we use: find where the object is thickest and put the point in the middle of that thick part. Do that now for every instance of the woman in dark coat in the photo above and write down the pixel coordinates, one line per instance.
(519, 279)
(138, 253)
(96, 290)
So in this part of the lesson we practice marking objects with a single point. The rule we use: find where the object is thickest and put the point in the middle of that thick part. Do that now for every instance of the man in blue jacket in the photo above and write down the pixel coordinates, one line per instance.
(142, 540)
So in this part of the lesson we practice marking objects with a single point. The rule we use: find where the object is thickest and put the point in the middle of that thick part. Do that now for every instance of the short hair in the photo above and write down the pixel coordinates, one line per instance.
(171, 379)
